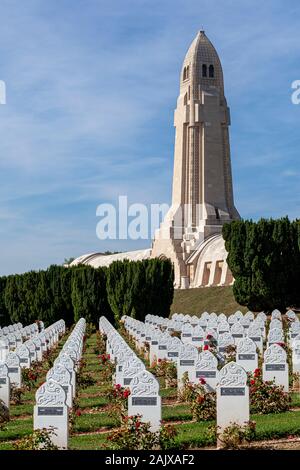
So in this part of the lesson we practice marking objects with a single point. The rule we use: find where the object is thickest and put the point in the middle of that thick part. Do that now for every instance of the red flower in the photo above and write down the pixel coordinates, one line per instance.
(126, 393)
(117, 386)
(137, 424)
(78, 413)
(206, 347)
(257, 373)
(209, 337)
(252, 382)
(159, 360)
(202, 380)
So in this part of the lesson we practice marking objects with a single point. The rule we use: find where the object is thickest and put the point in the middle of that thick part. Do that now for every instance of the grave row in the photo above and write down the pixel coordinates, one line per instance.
(31, 350)
(11, 340)
(144, 398)
(54, 398)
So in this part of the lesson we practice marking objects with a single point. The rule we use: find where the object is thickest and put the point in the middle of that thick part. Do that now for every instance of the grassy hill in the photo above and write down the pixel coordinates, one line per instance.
(210, 299)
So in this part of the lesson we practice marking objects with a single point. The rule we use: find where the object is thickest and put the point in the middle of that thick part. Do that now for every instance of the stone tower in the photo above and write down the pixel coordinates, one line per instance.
(202, 195)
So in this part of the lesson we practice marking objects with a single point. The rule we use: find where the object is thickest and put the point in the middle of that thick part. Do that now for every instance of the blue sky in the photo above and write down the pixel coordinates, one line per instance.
(91, 90)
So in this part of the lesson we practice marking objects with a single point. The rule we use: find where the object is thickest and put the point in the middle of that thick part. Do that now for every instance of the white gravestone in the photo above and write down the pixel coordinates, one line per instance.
(186, 333)
(276, 314)
(24, 355)
(232, 319)
(232, 396)
(254, 333)
(225, 340)
(222, 318)
(249, 315)
(32, 349)
(246, 355)
(275, 366)
(68, 362)
(237, 332)
(275, 336)
(62, 376)
(4, 385)
(38, 349)
(198, 336)
(162, 349)
(296, 356)
(188, 356)
(174, 346)
(206, 367)
(223, 327)
(294, 331)
(4, 349)
(144, 399)
(238, 314)
(14, 369)
(130, 369)
(275, 324)
(51, 410)
(126, 357)
(290, 315)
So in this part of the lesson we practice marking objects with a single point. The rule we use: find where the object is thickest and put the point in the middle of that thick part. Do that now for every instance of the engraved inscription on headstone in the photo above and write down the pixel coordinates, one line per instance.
(50, 410)
(232, 391)
(144, 401)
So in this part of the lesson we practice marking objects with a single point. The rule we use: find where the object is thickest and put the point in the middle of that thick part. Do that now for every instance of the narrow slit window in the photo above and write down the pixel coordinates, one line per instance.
(211, 71)
(204, 70)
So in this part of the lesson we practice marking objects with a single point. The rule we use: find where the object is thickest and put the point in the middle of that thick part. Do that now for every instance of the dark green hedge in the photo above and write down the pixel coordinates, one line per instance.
(264, 258)
(125, 287)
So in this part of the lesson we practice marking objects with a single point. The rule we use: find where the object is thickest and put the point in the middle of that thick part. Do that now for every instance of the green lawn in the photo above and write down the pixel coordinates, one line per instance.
(210, 299)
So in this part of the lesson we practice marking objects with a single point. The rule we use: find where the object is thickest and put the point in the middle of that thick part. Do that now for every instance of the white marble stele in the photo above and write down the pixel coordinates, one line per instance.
(232, 396)
(275, 366)
(144, 399)
(206, 367)
(4, 385)
(51, 411)
(246, 354)
(296, 356)
(187, 358)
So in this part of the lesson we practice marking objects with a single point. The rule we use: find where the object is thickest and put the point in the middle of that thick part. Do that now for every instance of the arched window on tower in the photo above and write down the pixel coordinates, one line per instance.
(204, 70)
(186, 72)
(211, 71)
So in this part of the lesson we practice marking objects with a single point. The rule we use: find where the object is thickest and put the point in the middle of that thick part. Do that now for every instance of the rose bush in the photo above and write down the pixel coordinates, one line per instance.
(133, 434)
(266, 397)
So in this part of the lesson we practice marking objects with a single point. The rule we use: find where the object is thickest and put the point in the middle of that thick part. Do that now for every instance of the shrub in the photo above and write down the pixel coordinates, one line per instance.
(236, 436)
(30, 376)
(100, 347)
(16, 395)
(168, 370)
(118, 402)
(201, 399)
(136, 435)
(4, 415)
(40, 439)
(85, 380)
(266, 397)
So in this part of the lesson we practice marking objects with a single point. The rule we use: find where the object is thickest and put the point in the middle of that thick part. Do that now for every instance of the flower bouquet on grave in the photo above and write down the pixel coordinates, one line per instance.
(210, 343)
